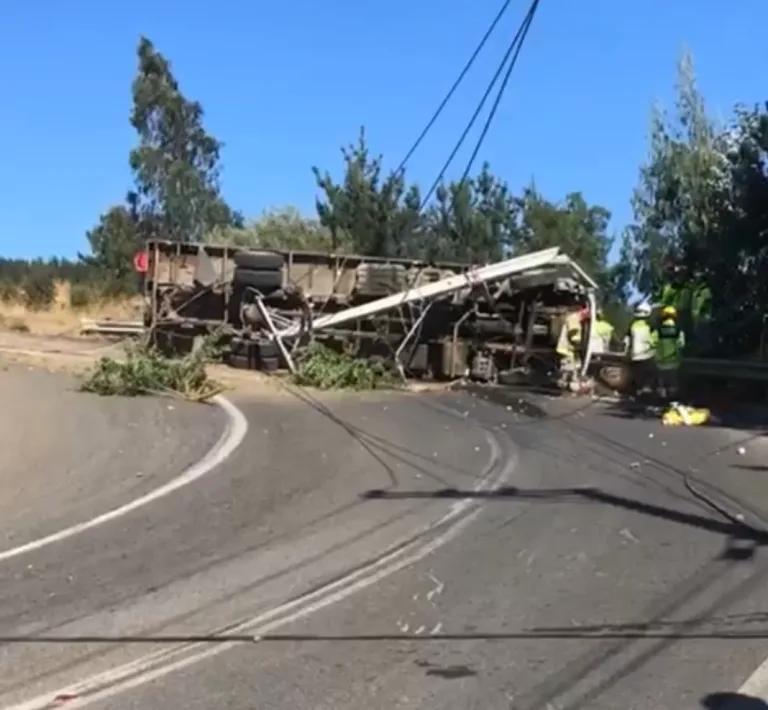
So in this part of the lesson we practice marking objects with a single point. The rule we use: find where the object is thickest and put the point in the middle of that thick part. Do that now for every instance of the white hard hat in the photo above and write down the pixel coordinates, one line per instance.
(642, 310)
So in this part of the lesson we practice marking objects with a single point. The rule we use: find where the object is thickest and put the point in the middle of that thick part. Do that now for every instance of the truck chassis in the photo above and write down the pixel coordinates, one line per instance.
(439, 320)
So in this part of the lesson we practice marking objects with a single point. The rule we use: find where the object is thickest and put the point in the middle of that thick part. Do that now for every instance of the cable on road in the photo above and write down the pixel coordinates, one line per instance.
(455, 86)
(627, 632)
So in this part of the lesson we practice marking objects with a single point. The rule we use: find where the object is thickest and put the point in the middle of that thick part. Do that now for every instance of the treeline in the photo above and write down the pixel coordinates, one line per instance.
(700, 204)
(176, 166)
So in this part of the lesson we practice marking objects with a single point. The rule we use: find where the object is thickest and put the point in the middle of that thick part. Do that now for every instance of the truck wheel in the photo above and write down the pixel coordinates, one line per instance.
(262, 279)
(269, 350)
(269, 364)
(259, 260)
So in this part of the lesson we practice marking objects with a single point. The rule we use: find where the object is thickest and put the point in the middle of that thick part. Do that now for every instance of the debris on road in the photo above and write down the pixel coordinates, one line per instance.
(681, 414)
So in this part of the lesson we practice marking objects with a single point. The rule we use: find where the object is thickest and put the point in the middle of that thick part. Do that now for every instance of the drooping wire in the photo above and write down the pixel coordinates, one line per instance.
(508, 61)
(455, 86)
(513, 52)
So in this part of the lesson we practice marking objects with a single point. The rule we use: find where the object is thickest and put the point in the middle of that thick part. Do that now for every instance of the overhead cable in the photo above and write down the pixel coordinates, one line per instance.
(455, 86)
(508, 62)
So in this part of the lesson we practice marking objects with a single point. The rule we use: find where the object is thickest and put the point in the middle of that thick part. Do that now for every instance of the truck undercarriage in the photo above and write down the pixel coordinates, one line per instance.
(436, 320)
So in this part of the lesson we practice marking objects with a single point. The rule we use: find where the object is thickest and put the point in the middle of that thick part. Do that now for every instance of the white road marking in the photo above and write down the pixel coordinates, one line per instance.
(162, 663)
(237, 428)
(756, 686)
(438, 589)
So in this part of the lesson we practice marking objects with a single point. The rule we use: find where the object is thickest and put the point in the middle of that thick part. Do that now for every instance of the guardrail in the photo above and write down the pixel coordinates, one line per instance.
(756, 371)
(730, 369)
(111, 327)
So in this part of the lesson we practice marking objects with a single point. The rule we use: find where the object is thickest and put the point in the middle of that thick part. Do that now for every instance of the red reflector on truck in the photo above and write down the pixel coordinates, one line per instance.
(141, 262)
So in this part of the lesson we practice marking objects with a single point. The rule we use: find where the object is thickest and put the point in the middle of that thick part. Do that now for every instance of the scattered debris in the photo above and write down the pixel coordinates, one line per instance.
(627, 535)
(681, 414)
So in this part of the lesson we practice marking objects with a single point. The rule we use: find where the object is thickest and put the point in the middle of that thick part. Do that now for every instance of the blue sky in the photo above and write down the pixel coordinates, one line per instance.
(285, 84)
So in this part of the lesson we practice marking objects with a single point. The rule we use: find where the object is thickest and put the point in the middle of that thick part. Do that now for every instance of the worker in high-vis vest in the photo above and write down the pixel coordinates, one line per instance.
(603, 335)
(640, 344)
(669, 351)
(569, 345)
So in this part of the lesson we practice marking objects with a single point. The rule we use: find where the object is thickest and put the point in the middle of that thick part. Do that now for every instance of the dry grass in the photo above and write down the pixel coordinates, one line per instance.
(61, 318)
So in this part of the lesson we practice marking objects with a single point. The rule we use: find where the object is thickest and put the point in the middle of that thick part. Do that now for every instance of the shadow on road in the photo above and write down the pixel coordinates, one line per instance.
(732, 701)
(734, 530)
(724, 416)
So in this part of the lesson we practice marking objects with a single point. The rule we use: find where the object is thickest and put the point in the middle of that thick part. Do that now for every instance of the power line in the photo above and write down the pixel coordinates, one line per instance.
(513, 52)
(494, 108)
(455, 86)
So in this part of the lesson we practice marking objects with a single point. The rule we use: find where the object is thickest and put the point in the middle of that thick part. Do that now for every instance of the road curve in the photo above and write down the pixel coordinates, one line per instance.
(69, 456)
(593, 533)
(285, 513)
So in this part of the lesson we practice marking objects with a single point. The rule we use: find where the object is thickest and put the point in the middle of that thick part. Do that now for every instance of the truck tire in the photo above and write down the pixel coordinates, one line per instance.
(241, 362)
(259, 260)
(245, 354)
(269, 364)
(269, 350)
(244, 362)
(265, 280)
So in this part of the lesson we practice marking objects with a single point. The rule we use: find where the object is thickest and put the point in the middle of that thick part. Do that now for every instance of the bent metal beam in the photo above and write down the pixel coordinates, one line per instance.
(492, 272)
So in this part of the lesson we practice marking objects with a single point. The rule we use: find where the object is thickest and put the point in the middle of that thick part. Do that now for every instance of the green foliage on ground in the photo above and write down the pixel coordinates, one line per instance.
(144, 370)
(324, 368)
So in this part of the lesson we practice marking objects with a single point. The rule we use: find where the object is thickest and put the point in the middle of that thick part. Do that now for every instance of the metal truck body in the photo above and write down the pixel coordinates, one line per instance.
(456, 318)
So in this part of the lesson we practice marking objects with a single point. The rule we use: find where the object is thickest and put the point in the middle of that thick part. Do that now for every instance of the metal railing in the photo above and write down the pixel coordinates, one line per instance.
(726, 369)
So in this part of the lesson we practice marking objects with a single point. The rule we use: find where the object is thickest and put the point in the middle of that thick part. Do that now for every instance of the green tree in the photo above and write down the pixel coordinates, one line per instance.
(734, 259)
(701, 204)
(677, 204)
(579, 229)
(284, 228)
(474, 220)
(368, 212)
(177, 164)
(113, 242)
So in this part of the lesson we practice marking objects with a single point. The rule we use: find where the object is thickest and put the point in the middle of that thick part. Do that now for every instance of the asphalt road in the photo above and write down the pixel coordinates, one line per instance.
(68, 456)
(497, 605)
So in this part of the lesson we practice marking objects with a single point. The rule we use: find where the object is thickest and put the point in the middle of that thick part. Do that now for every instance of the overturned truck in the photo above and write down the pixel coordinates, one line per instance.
(436, 320)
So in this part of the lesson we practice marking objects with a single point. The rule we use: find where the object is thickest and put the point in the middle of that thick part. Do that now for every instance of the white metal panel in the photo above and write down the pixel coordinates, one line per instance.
(443, 287)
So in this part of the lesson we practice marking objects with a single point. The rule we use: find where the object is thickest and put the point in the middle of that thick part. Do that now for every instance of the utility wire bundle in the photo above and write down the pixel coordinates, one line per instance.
(503, 72)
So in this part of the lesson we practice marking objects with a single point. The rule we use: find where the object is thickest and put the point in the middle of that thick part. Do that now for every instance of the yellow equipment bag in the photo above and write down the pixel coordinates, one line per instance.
(681, 415)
